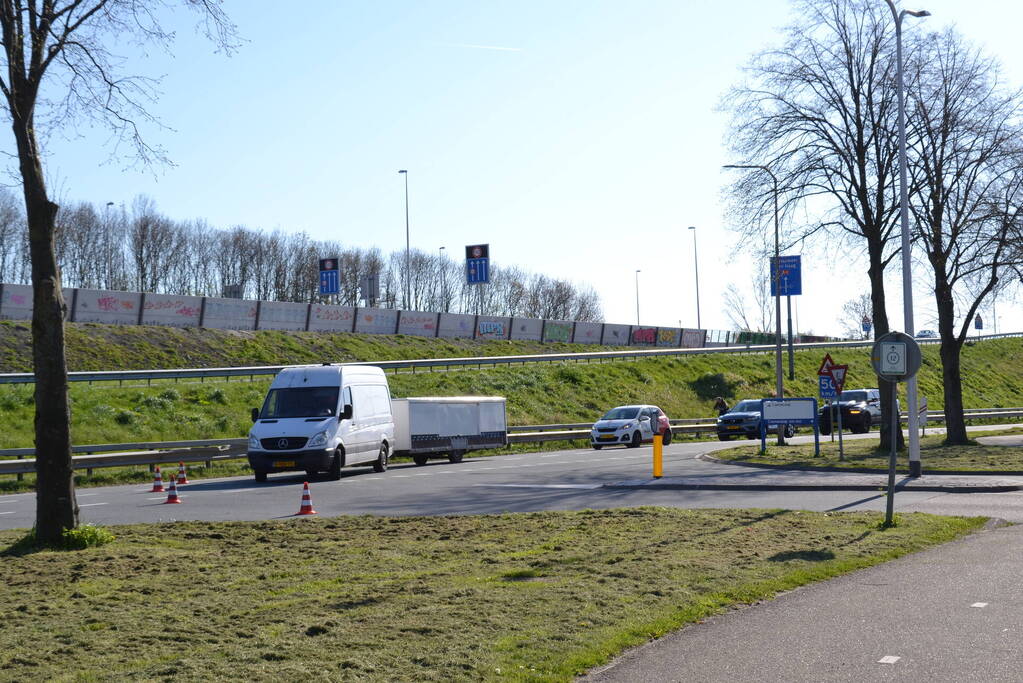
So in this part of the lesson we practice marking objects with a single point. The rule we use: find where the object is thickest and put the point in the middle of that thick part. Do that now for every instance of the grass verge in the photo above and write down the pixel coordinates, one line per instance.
(530, 597)
(935, 456)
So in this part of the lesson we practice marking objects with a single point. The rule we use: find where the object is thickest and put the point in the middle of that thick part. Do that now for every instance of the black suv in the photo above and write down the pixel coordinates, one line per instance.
(860, 409)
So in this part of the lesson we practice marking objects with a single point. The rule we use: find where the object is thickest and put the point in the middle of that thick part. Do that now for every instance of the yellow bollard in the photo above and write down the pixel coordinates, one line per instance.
(658, 464)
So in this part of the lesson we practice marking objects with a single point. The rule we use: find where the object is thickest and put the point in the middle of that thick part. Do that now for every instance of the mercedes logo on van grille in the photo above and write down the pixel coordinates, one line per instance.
(282, 443)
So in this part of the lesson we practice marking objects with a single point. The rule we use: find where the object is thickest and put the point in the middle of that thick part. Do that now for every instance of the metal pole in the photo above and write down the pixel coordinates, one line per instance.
(890, 504)
(696, 268)
(637, 297)
(109, 254)
(907, 281)
(408, 291)
(792, 362)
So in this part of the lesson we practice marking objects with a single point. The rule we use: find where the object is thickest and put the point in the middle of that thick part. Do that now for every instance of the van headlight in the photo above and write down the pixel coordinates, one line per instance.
(320, 439)
(254, 444)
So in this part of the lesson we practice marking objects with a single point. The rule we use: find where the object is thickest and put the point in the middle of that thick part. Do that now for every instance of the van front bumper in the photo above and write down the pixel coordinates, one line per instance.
(288, 461)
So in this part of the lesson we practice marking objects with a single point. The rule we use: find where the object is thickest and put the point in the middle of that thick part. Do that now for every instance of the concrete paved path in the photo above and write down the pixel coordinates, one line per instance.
(952, 613)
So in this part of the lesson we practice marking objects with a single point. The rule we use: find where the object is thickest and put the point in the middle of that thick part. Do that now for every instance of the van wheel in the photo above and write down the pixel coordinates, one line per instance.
(597, 446)
(455, 456)
(381, 462)
(666, 437)
(260, 476)
(724, 437)
(420, 459)
(336, 463)
(637, 441)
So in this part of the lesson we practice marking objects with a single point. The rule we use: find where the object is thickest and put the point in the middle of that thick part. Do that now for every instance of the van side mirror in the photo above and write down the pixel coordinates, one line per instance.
(255, 414)
(346, 412)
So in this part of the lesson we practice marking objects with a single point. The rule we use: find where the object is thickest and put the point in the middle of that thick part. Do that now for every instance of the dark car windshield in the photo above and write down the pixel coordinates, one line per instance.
(854, 396)
(300, 402)
(621, 414)
(749, 406)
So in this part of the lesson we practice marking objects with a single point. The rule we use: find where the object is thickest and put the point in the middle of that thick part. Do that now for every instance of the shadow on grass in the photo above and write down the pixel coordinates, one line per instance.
(808, 555)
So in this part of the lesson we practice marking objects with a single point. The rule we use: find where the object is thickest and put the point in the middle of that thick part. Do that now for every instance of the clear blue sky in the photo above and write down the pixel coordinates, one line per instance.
(579, 139)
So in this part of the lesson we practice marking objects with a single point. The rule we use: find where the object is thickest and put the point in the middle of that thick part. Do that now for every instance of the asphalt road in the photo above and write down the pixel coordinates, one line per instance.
(559, 480)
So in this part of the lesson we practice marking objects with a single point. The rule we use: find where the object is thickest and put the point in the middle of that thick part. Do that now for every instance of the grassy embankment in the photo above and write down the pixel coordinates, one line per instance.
(524, 597)
(537, 393)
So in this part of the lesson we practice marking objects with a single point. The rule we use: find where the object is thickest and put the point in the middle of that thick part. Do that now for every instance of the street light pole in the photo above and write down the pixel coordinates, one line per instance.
(109, 255)
(776, 278)
(443, 278)
(408, 291)
(637, 297)
(915, 468)
(696, 268)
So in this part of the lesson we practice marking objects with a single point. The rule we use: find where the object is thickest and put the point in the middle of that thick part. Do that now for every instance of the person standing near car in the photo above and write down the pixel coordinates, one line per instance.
(720, 405)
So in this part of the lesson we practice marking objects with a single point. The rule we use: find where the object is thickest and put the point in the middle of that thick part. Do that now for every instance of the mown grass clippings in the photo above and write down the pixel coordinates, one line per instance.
(539, 596)
(935, 456)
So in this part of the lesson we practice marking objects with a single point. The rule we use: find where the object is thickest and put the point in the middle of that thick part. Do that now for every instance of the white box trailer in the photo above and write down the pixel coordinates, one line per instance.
(432, 426)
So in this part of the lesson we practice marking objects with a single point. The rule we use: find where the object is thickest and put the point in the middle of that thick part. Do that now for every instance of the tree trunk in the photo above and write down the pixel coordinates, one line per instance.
(955, 421)
(877, 300)
(56, 507)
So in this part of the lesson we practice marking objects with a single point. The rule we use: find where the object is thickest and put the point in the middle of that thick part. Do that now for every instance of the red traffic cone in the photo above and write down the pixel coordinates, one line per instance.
(307, 502)
(157, 481)
(172, 494)
(182, 478)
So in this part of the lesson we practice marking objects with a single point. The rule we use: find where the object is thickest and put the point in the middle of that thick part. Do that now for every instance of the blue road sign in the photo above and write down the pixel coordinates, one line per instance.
(867, 324)
(477, 270)
(790, 276)
(826, 387)
(330, 283)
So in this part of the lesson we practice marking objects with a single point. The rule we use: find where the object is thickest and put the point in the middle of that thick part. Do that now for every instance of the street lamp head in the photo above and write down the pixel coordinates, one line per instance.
(110, 203)
(920, 13)
(402, 171)
(692, 227)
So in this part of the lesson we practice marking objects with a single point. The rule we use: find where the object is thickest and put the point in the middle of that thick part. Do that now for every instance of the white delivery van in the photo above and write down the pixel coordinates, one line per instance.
(319, 418)
(428, 426)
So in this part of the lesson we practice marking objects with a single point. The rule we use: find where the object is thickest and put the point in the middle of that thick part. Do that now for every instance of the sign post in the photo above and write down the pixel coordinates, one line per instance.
(477, 268)
(922, 412)
(330, 281)
(779, 412)
(787, 279)
(896, 358)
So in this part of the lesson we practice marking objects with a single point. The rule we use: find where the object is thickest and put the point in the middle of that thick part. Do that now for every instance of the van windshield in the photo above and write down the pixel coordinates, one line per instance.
(300, 402)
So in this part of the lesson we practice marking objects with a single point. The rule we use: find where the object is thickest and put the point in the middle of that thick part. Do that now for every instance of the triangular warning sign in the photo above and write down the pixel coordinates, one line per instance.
(825, 369)
(838, 373)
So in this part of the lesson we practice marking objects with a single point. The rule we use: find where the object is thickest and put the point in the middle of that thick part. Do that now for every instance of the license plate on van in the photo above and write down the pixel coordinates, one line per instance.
(284, 463)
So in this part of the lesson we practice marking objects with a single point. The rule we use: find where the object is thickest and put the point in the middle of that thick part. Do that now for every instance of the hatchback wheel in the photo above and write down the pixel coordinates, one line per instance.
(637, 440)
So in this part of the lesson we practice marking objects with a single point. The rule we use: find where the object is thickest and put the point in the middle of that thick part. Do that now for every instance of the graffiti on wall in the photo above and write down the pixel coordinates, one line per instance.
(644, 335)
(559, 332)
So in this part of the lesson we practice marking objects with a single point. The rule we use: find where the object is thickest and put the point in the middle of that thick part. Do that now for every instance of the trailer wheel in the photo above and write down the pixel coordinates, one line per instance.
(260, 476)
(455, 456)
(420, 459)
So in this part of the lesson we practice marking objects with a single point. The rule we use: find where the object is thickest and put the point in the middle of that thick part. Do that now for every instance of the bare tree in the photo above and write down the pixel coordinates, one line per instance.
(854, 312)
(65, 43)
(820, 112)
(12, 233)
(751, 310)
(966, 161)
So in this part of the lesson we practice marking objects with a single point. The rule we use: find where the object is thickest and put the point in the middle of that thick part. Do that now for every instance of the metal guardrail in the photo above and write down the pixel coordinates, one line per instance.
(433, 363)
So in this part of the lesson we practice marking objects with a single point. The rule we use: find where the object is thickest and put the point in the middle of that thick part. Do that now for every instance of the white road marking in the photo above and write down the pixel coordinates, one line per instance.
(545, 486)
(11, 512)
(425, 474)
(888, 660)
(164, 497)
(84, 495)
(89, 505)
(979, 604)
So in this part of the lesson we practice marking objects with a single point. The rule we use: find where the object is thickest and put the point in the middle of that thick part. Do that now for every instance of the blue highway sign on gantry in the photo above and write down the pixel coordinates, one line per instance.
(477, 270)
(789, 276)
(330, 283)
